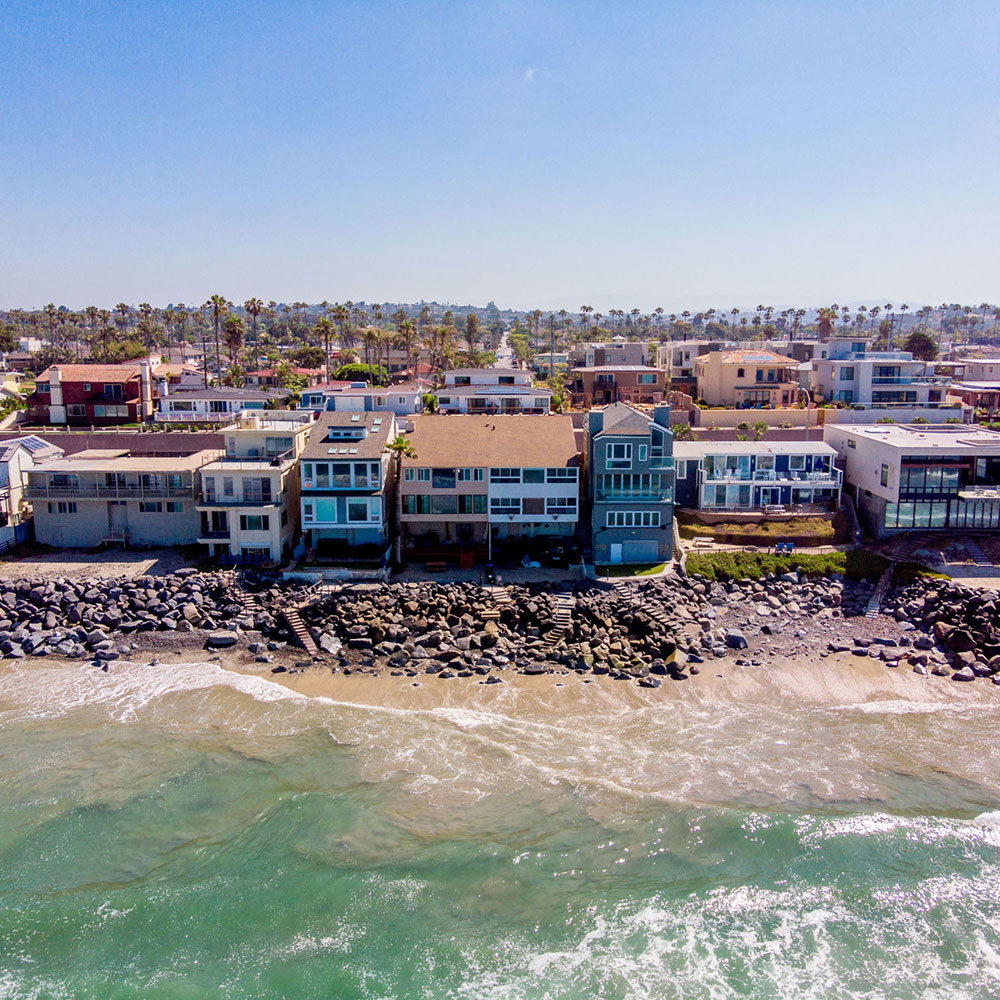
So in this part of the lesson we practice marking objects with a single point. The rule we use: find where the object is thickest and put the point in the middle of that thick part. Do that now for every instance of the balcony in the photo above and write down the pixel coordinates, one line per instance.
(242, 500)
(214, 536)
(643, 496)
(909, 380)
(87, 491)
(766, 477)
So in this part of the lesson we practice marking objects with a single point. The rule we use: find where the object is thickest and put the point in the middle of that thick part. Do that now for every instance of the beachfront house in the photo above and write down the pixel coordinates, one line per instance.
(249, 497)
(752, 475)
(346, 484)
(631, 482)
(906, 477)
(747, 379)
(104, 496)
(479, 484)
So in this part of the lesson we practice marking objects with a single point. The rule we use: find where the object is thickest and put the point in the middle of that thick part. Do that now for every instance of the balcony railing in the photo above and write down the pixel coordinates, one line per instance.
(215, 536)
(794, 478)
(909, 380)
(650, 496)
(241, 500)
(89, 491)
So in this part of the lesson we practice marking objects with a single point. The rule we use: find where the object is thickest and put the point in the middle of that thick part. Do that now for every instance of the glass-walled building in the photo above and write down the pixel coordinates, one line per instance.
(921, 477)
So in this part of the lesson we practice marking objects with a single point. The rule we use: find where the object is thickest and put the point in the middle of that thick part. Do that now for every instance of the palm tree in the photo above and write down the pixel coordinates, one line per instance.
(123, 310)
(323, 329)
(406, 334)
(734, 312)
(218, 306)
(400, 449)
(254, 308)
(370, 339)
(234, 330)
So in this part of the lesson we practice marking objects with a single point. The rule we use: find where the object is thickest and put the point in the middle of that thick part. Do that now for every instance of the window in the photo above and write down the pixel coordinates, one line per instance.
(408, 475)
(505, 475)
(505, 380)
(114, 390)
(797, 462)
(380, 400)
(465, 475)
(643, 452)
(308, 512)
(462, 380)
(62, 507)
(760, 375)
(76, 410)
(444, 400)
(255, 522)
(182, 406)
(638, 486)
(110, 411)
(846, 374)
(401, 400)
(218, 406)
(741, 373)
(150, 507)
(560, 505)
(467, 503)
(647, 379)
(884, 476)
(682, 469)
(416, 504)
(227, 486)
(505, 505)
(175, 507)
(444, 503)
(560, 475)
(852, 444)
(770, 374)
(423, 475)
(541, 403)
(619, 456)
(478, 475)
(443, 479)
(42, 388)
(633, 518)
(357, 510)
(533, 476)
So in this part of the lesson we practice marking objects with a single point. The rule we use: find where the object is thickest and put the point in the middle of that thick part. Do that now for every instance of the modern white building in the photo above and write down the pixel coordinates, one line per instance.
(749, 475)
(852, 374)
(216, 404)
(249, 497)
(18, 456)
(359, 397)
(906, 477)
(492, 390)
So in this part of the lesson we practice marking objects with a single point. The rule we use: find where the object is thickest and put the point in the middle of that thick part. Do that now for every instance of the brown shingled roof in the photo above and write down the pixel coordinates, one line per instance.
(508, 440)
(92, 373)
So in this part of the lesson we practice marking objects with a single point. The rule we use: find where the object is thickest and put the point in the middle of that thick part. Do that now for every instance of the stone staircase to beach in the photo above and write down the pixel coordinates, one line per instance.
(562, 618)
(500, 599)
(976, 553)
(875, 601)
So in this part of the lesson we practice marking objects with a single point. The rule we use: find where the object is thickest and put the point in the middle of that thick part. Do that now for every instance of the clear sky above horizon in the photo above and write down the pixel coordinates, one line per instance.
(685, 154)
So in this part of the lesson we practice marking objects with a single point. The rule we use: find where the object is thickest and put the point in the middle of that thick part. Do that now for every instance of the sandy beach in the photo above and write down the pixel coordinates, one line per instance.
(837, 679)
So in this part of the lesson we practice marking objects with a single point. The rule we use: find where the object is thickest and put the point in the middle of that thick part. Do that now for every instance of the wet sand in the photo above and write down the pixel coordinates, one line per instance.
(838, 679)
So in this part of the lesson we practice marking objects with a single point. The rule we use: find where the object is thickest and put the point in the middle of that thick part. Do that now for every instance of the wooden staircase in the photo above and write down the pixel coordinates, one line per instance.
(875, 601)
(562, 618)
(299, 630)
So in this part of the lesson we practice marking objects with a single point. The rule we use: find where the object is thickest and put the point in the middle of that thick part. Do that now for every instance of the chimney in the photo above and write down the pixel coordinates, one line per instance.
(146, 391)
(57, 409)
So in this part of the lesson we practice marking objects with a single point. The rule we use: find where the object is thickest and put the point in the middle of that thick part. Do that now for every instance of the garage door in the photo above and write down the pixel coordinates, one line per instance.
(640, 551)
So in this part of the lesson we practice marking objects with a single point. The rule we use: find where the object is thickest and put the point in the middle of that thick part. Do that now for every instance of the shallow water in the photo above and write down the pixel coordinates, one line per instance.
(182, 832)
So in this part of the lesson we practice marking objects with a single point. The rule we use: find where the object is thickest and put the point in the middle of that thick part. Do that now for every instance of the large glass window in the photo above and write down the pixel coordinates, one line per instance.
(443, 479)
(444, 503)
(505, 505)
(533, 476)
(618, 455)
(357, 510)
(504, 475)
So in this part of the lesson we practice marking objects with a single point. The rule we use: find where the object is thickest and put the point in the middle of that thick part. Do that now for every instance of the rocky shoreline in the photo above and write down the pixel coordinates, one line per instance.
(646, 631)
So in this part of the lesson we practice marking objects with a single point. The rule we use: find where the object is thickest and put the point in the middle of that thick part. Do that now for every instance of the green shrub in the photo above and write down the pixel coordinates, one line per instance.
(855, 565)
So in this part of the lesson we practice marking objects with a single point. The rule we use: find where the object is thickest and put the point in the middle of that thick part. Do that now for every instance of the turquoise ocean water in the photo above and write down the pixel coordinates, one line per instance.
(180, 832)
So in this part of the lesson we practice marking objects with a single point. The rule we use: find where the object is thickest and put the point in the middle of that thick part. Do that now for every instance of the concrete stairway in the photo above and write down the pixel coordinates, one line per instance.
(500, 599)
(875, 601)
(562, 618)
(978, 556)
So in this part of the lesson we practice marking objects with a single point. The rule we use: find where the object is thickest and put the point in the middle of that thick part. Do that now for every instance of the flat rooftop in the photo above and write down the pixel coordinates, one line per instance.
(699, 449)
(96, 461)
(953, 438)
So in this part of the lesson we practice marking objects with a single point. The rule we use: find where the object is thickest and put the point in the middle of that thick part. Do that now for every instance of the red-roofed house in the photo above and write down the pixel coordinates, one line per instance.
(93, 394)
(267, 378)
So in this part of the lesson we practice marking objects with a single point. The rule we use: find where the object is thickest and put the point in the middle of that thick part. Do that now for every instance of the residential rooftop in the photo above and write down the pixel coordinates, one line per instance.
(953, 438)
(510, 441)
(373, 431)
(105, 459)
(751, 358)
(699, 449)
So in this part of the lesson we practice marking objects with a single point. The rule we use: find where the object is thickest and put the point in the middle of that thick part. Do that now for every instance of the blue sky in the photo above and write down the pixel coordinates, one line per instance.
(538, 154)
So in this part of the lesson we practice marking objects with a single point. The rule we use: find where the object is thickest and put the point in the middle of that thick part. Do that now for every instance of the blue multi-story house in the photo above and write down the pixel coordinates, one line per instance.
(748, 475)
(631, 483)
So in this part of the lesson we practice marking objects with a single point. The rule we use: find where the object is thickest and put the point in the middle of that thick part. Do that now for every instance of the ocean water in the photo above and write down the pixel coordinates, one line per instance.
(182, 832)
